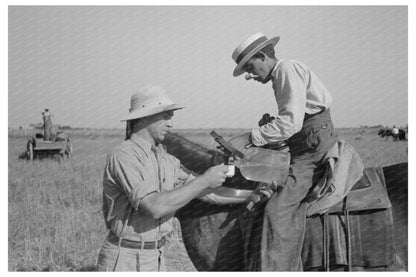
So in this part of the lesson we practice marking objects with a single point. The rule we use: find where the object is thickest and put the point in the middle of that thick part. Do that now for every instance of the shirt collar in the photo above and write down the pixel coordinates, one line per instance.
(146, 145)
(274, 70)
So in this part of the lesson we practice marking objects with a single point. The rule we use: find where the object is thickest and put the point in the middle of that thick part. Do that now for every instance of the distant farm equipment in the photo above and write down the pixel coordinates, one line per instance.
(58, 145)
(49, 142)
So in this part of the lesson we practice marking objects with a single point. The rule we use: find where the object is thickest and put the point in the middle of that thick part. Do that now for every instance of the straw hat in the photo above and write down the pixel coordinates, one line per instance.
(248, 48)
(149, 100)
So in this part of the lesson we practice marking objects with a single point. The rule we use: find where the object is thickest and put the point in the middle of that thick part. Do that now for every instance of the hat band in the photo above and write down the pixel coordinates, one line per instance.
(152, 103)
(253, 45)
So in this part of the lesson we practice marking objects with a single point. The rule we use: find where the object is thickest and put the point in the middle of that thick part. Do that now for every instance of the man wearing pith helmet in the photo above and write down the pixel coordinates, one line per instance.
(143, 186)
(303, 120)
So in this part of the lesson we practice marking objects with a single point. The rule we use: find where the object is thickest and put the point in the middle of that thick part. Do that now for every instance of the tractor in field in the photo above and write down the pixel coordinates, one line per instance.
(48, 143)
(37, 146)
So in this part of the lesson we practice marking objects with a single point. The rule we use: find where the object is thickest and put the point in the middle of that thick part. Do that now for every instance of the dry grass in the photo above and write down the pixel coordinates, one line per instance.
(55, 218)
(374, 150)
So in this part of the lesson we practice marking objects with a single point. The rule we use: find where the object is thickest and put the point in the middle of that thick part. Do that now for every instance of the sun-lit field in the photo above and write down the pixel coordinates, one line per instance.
(55, 218)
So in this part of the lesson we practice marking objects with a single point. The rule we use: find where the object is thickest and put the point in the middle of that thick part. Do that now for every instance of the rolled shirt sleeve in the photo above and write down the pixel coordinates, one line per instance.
(135, 169)
(289, 84)
(132, 176)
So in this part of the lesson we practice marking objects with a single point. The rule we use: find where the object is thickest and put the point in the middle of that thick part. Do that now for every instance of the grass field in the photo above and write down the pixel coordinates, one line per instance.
(55, 219)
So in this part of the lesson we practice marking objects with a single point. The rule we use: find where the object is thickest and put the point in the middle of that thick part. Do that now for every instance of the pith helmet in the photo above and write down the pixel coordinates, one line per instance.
(149, 100)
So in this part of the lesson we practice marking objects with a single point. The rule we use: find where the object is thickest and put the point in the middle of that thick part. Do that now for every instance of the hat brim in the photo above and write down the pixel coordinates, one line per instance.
(148, 112)
(238, 70)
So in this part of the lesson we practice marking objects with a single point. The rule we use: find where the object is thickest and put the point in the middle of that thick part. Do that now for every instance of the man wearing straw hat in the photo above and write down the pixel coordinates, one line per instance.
(303, 120)
(143, 186)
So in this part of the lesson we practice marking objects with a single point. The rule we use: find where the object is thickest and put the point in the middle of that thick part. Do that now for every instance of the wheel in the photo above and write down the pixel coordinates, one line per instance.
(62, 155)
(30, 150)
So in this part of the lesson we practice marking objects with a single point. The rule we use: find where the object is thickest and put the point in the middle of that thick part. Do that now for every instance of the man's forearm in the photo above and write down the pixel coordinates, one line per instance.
(167, 202)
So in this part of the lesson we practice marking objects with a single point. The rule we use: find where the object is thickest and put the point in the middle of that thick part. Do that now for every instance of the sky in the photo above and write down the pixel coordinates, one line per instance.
(85, 62)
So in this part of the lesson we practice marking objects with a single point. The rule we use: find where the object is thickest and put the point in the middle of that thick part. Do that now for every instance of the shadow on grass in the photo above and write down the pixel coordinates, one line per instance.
(41, 156)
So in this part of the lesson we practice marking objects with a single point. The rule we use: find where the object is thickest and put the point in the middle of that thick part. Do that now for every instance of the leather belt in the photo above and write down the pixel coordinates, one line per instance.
(138, 244)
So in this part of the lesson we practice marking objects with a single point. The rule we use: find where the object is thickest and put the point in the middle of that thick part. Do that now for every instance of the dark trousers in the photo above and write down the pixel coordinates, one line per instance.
(285, 212)
(47, 125)
(284, 217)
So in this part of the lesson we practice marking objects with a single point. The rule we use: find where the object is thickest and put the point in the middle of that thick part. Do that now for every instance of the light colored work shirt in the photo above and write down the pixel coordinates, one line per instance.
(298, 91)
(135, 169)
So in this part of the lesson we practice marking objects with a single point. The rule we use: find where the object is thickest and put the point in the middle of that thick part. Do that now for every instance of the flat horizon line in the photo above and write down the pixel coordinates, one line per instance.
(203, 128)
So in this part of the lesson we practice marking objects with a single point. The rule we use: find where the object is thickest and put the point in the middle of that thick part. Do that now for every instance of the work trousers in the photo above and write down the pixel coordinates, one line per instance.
(113, 258)
(285, 213)
(279, 229)
(47, 125)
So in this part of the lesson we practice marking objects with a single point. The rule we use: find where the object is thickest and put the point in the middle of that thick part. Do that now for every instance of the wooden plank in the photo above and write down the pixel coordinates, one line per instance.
(48, 145)
(48, 148)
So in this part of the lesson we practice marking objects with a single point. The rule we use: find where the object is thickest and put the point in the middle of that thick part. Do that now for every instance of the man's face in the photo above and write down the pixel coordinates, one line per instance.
(259, 68)
(159, 125)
